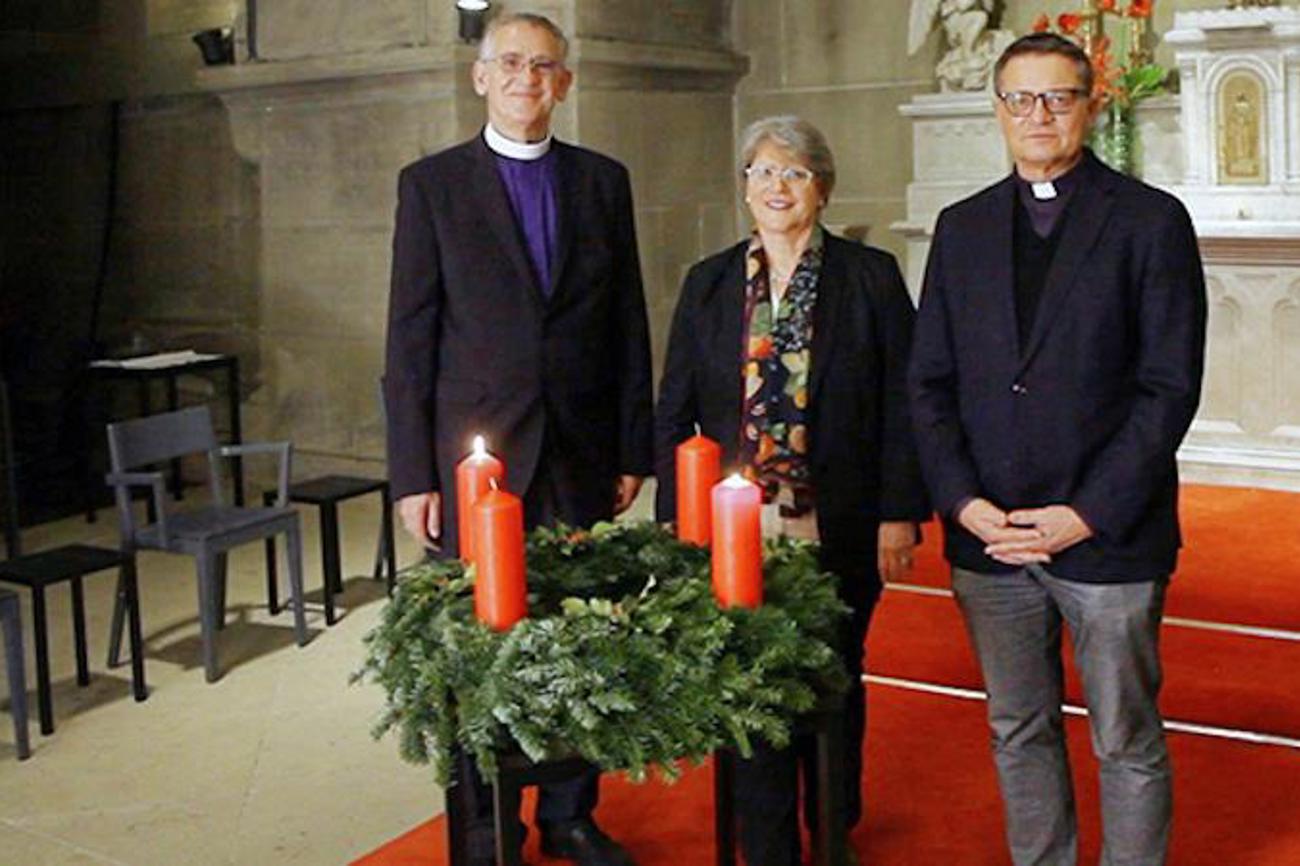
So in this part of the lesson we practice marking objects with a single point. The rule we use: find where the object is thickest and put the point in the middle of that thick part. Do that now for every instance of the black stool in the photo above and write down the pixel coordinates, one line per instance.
(515, 772)
(12, 624)
(830, 839)
(36, 571)
(326, 493)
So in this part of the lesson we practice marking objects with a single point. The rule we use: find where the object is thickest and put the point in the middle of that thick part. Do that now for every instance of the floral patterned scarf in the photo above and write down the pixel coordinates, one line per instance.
(776, 357)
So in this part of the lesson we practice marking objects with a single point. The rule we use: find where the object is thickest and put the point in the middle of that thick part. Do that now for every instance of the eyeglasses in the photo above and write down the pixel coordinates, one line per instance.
(514, 64)
(765, 174)
(1020, 103)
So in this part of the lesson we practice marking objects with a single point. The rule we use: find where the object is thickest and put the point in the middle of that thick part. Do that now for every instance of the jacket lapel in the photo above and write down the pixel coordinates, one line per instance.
(1085, 218)
(830, 288)
(500, 216)
(724, 313)
(567, 196)
(999, 267)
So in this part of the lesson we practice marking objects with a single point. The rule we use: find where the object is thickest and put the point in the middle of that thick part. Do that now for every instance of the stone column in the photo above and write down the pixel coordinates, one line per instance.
(1291, 61)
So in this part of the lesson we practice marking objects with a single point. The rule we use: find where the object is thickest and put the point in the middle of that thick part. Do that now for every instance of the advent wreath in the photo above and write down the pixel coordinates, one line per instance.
(625, 658)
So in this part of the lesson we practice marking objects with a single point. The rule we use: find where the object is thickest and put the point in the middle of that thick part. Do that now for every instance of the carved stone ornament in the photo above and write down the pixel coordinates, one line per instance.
(972, 47)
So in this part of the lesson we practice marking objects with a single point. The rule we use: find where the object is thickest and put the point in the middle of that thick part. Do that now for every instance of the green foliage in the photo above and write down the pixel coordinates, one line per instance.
(625, 658)
(1143, 82)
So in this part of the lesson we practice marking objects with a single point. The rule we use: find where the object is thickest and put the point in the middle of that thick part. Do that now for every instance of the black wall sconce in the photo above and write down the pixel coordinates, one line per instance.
(473, 18)
(217, 45)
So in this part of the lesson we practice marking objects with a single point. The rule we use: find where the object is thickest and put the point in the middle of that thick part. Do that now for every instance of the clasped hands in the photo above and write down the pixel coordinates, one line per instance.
(1026, 535)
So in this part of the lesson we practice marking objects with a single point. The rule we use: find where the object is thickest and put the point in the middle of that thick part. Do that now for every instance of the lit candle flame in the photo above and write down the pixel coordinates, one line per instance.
(735, 479)
(480, 447)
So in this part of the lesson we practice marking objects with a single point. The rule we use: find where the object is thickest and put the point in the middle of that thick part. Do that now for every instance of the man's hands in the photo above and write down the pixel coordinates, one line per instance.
(421, 515)
(1060, 526)
(1026, 535)
(896, 542)
(625, 491)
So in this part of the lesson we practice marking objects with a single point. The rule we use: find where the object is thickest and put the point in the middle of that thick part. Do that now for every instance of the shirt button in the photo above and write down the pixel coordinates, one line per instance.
(1019, 389)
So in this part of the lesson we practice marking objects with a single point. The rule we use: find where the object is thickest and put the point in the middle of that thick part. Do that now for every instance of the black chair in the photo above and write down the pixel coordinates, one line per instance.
(9, 482)
(72, 562)
(206, 533)
(12, 625)
(326, 493)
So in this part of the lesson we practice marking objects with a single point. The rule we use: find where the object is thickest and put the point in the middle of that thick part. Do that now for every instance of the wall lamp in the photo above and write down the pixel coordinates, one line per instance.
(473, 16)
(217, 45)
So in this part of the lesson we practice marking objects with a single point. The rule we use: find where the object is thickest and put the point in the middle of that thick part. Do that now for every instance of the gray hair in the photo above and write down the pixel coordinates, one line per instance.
(1040, 44)
(532, 19)
(799, 137)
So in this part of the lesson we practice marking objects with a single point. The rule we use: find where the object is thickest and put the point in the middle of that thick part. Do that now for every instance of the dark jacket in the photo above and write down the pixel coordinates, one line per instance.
(862, 462)
(1092, 411)
(475, 346)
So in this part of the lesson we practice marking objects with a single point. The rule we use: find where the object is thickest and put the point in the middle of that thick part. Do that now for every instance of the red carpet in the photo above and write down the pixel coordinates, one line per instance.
(931, 790)
(932, 799)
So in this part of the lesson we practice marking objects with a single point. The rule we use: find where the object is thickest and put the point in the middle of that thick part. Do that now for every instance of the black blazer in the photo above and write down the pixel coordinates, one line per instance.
(474, 346)
(863, 465)
(1092, 412)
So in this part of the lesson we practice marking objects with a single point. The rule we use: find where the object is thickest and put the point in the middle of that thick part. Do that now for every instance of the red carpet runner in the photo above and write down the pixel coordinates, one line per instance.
(931, 791)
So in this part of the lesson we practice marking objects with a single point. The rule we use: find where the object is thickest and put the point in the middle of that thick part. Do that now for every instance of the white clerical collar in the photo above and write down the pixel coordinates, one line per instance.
(1044, 190)
(503, 146)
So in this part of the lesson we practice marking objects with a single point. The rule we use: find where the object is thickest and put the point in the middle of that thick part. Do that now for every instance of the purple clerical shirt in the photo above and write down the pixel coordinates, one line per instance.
(531, 184)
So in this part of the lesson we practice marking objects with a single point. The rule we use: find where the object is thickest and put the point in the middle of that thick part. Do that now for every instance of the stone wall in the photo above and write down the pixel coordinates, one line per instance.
(844, 66)
(329, 114)
(256, 201)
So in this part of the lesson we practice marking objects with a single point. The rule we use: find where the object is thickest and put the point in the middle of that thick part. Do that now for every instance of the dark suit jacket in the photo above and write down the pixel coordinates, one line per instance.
(863, 465)
(474, 346)
(1092, 411)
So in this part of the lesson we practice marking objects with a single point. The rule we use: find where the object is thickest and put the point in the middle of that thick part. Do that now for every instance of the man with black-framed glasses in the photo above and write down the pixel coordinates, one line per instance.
(1056, 367)
(517, 313)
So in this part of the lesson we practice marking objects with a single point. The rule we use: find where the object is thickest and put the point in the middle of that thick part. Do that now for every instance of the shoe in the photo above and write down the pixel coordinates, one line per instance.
(584, 843)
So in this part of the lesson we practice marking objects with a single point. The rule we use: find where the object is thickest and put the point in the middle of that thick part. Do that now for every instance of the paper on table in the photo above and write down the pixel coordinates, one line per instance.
(158, 361)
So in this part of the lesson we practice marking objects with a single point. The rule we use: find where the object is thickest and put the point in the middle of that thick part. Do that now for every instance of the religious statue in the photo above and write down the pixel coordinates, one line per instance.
(1241, 144)
(972, 48)
(1242, 136)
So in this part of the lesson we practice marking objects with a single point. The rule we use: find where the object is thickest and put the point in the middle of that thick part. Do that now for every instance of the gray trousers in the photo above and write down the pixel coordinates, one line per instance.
(1014, 621)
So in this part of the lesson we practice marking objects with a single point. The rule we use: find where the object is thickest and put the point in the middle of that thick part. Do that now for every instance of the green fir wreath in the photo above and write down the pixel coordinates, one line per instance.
(625, 658)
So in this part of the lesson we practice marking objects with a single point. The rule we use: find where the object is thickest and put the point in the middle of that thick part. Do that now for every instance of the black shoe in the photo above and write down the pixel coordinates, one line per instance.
(584, 843)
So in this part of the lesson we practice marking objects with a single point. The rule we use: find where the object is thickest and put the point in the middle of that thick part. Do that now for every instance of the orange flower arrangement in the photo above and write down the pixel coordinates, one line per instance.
(1117, 86)
(1122, 85)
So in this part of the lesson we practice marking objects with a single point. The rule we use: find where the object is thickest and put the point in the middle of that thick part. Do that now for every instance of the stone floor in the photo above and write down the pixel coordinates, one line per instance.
(272, 764)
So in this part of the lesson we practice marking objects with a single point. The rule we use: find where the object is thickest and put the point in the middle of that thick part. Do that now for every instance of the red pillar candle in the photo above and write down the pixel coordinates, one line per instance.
(474, 475)
(737, 543)
(699, 466)
(500, 579)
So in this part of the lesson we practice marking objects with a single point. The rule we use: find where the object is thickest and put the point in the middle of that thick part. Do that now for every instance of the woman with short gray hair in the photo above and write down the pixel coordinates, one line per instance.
(798, 137)
(790, 349)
